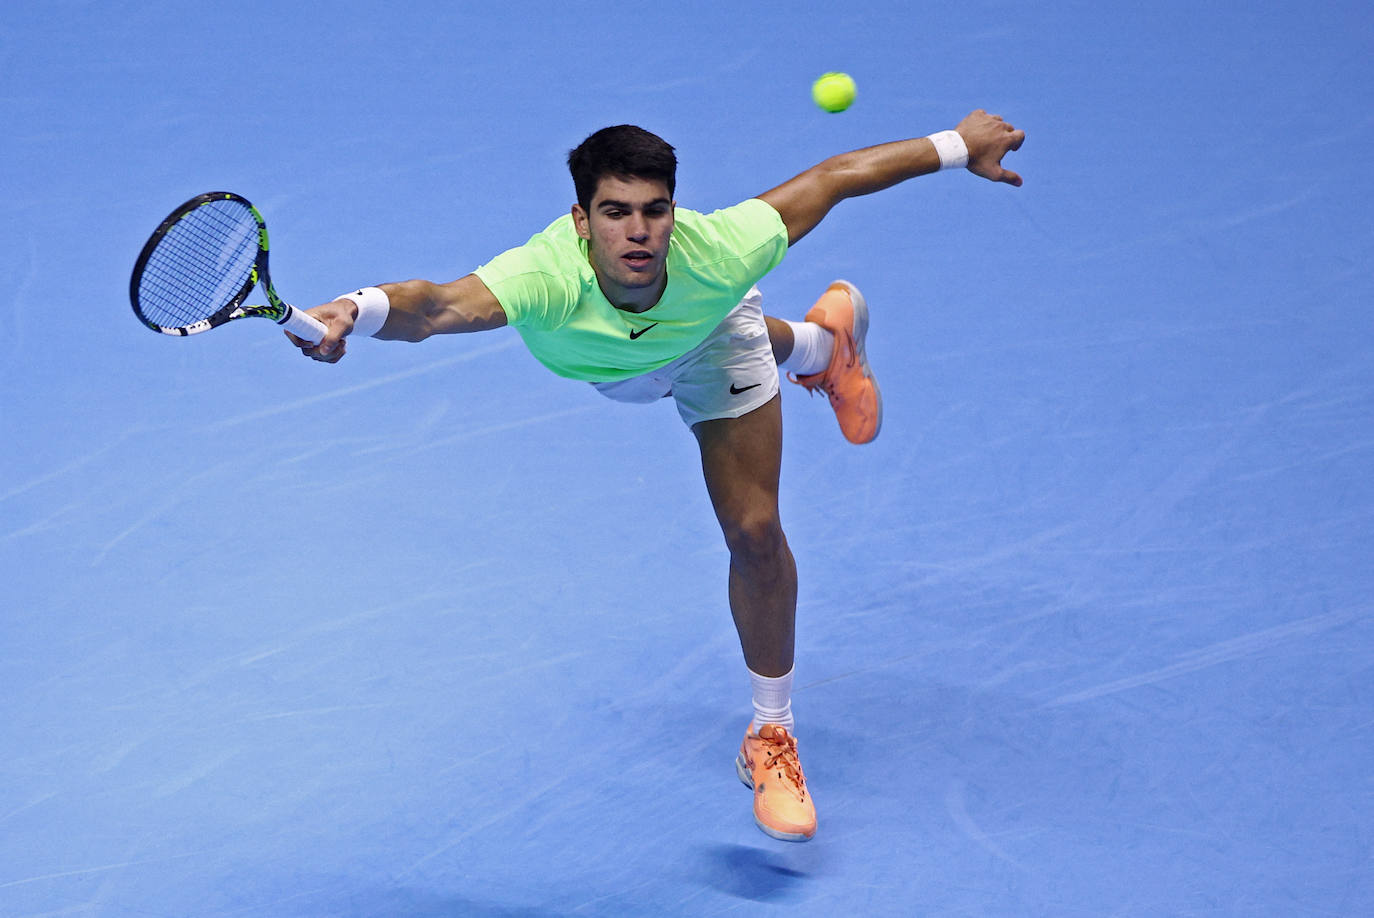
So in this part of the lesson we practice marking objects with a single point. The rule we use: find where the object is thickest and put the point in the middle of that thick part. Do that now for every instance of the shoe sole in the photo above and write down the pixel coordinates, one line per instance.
(747, 780)
(860, 333)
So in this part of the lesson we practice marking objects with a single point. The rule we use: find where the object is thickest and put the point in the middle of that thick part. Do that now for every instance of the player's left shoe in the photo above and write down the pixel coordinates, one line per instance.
(768, 763)
(848, 381)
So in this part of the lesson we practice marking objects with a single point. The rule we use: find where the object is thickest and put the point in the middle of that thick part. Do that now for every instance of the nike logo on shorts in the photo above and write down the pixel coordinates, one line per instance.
(736, 390)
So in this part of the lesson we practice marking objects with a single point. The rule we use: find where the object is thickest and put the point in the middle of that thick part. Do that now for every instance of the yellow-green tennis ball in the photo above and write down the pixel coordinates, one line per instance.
(834, 92)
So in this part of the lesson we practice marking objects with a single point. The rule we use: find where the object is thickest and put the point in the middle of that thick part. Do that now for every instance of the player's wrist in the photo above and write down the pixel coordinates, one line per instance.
(373, 307)
(952, 149)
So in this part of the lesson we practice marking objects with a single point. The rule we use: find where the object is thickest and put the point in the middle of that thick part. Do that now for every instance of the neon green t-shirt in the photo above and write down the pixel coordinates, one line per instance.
(550, 294)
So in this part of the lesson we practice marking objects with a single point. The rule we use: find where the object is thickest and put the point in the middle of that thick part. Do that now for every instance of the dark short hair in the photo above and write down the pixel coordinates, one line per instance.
(625, 151)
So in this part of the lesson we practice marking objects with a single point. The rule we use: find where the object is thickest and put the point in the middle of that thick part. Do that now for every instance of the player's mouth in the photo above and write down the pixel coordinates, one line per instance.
(638, 260)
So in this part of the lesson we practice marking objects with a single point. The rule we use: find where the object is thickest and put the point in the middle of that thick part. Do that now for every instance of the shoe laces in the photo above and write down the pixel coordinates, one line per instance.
(781, 755)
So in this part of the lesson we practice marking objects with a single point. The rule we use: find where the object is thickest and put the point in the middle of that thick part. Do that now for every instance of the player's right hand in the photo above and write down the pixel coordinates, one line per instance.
(338, 317)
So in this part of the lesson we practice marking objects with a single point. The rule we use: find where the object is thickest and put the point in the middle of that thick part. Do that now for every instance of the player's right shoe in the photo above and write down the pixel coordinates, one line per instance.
(768, 763)
(848, 381)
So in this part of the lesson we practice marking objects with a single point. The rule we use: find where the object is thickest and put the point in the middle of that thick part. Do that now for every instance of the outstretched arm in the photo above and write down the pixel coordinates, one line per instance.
(805, 200)
(418, 309)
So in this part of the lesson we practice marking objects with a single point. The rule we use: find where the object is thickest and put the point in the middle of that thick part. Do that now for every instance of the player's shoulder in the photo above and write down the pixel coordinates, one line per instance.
(556, 249)
(549, 270)
(748, 210)
(559, 236)
(744, 226)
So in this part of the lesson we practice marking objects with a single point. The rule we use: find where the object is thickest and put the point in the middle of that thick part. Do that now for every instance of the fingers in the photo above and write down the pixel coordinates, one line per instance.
(319, 351)
(979, 114)
(333, 346)
(989, 138)
(330, 350)
(326, 353)
(994, 172)
(993, 129)
(1015, 137)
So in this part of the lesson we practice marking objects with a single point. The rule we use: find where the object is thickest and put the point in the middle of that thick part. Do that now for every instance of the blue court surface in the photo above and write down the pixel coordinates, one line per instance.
(1088, 631)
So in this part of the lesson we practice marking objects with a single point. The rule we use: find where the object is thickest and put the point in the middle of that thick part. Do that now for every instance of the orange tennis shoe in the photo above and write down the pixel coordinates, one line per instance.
(768, 763)
(848, 382)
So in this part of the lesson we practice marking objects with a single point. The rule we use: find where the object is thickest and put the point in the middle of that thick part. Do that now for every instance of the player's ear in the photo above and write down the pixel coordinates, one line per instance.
(581, 223)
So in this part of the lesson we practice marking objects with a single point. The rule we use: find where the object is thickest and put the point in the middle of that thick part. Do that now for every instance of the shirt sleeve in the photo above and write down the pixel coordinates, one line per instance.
(535, 288)
(750, 237)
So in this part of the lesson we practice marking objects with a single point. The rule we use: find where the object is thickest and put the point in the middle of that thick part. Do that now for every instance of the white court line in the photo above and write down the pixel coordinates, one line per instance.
(283, 407)
(69, 467)
(1225, 652)
(166, 504)
(100, 869)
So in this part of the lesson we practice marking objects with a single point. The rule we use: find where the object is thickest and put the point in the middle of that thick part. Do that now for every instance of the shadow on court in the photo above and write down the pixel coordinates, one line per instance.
(412, 904)
(751, 873)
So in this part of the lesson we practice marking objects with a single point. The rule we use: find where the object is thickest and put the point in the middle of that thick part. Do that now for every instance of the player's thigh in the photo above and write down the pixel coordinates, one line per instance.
(741, 459)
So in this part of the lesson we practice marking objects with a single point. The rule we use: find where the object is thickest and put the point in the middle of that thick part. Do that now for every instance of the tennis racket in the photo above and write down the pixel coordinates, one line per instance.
(200, 265)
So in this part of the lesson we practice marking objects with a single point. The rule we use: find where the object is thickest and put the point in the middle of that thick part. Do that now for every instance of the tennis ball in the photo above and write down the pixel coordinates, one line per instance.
(834, 92)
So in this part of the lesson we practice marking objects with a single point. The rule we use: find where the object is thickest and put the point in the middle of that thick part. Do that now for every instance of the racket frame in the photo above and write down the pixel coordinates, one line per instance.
(284, 314)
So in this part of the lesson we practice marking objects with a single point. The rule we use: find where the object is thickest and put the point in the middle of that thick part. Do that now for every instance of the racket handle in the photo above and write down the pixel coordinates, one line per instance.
(303, 325)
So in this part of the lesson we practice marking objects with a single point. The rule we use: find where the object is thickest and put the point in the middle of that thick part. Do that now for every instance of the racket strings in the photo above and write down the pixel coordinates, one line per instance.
(200, 266)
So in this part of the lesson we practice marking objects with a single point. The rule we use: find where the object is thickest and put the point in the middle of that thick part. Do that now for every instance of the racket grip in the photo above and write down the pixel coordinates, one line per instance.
(303, 325)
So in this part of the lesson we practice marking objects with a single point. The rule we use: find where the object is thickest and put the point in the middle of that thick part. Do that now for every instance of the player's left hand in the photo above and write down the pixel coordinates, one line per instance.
(988, 139)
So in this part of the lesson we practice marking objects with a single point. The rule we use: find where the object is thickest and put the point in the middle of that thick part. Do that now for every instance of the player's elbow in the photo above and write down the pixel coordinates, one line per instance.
(825, 184)
(846, 175)
(805, 200)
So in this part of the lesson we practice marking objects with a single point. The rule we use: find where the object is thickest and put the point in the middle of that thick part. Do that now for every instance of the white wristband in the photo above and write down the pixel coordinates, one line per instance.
(373, 305)
(952, 149)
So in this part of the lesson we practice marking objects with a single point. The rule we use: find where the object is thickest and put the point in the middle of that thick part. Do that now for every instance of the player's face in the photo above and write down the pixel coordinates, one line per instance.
(627, 231)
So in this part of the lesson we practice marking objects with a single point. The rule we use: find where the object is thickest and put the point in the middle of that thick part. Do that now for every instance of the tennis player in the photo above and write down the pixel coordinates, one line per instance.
(644, 299)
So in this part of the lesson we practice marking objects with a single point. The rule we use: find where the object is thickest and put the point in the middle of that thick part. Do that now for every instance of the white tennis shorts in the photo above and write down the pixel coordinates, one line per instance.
(728, 375)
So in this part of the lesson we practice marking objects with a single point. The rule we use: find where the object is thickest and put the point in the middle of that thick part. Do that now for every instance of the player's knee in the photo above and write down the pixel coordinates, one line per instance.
(755, 537)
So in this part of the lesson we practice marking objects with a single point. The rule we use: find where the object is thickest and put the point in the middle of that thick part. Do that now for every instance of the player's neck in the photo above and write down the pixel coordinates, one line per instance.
(632, 299)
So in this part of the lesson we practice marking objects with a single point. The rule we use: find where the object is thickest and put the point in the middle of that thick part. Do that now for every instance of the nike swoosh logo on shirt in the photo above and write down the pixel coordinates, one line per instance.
(636, 332)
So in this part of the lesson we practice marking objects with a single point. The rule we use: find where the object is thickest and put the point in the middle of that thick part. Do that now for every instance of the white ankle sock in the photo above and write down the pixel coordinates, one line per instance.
(811, 349)
(772, 699)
